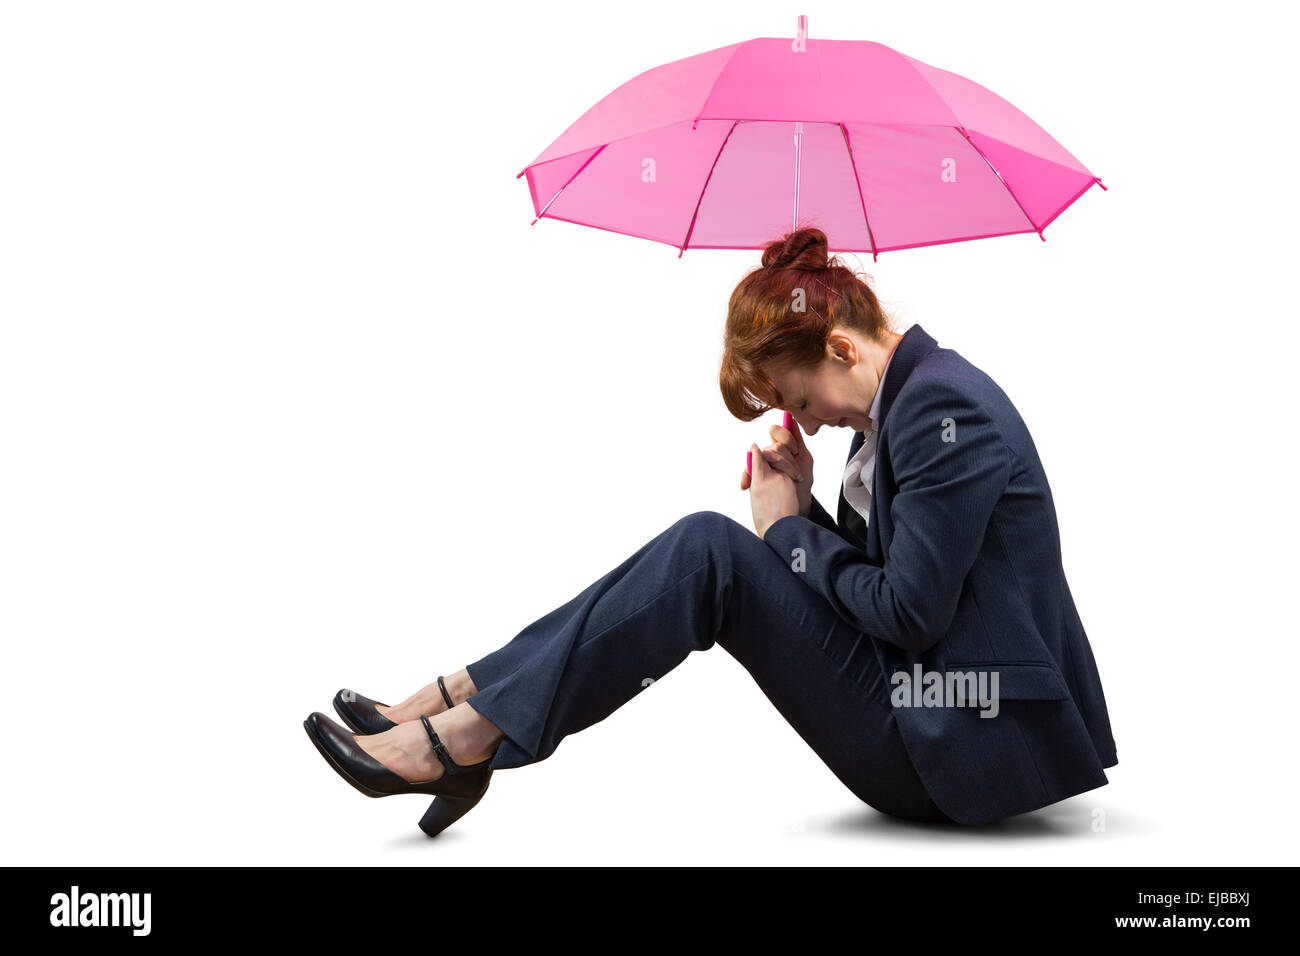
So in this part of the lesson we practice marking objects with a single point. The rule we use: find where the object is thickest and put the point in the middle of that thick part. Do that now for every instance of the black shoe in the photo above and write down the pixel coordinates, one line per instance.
(456, 792)
(359, 712)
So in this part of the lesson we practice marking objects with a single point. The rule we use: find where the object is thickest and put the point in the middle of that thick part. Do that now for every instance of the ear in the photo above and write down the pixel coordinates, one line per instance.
(840, 347)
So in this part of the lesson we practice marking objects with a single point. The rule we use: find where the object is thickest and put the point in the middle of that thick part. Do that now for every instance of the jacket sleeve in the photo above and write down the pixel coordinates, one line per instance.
(951, 466)
(819, 515)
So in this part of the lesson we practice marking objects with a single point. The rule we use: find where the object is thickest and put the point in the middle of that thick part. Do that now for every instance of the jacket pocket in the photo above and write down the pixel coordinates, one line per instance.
(1017, 680)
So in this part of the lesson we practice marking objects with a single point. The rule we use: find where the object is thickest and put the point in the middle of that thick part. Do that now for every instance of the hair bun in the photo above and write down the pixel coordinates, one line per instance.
(804, 249)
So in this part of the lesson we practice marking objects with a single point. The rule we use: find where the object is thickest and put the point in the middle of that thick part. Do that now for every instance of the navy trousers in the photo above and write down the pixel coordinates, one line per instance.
(707, 579)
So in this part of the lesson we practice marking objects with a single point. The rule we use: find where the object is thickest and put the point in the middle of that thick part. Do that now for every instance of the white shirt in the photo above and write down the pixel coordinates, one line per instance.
(860, 471)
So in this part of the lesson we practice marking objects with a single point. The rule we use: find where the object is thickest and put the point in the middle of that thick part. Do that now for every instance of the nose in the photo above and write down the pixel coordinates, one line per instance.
(807, 424)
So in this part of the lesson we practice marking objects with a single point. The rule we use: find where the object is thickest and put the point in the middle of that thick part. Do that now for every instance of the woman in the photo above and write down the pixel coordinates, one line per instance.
(926, 647)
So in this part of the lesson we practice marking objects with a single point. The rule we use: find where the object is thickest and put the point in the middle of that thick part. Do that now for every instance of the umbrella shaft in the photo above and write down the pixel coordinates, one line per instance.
(798, 154)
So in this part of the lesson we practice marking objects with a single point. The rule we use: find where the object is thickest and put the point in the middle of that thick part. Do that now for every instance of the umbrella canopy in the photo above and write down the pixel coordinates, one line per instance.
(729, 148)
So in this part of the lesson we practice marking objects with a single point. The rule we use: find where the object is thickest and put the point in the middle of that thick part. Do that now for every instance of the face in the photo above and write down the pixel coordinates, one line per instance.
(838, 393)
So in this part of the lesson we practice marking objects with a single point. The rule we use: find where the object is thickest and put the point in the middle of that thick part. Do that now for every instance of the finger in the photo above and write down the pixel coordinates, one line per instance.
(789, 437)
(778, 453)
(797, 435)
(778, 463)
(783, 437)
(784, 444)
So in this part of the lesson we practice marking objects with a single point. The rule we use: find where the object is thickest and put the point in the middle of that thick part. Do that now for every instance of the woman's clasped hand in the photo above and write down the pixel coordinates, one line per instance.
(781, 483)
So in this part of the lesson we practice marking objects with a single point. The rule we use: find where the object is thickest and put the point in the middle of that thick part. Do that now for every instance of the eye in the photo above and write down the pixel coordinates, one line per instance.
(803, 406)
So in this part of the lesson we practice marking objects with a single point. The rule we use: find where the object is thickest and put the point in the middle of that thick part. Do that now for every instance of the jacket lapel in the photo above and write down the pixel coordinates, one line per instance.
(915, 344)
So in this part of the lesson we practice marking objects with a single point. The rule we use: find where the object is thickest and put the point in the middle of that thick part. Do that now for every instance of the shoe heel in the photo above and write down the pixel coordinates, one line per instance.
(444, 811)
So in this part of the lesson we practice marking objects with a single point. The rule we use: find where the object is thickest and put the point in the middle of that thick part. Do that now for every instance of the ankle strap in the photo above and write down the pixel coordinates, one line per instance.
(439, 747)
(445, 696)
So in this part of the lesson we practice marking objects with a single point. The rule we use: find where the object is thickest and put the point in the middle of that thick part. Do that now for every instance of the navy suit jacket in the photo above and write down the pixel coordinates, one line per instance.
(960, 570)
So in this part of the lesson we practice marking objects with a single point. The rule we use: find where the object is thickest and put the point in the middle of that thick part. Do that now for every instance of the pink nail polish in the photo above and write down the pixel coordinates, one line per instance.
(749, 462)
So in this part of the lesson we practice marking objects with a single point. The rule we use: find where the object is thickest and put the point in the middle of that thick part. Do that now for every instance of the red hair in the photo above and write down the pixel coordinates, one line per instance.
(781, 314)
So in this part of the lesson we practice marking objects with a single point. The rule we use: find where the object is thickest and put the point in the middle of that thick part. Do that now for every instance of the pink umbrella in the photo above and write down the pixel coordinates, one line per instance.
(730, 148)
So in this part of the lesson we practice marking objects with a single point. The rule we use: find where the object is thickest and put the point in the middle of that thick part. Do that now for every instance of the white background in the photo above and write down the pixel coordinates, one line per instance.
(293, 397)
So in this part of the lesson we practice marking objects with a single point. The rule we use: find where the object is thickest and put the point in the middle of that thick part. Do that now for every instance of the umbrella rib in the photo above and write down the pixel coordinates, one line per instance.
(691, 228)
(962, 130)
(566, 183)
(861, 199)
